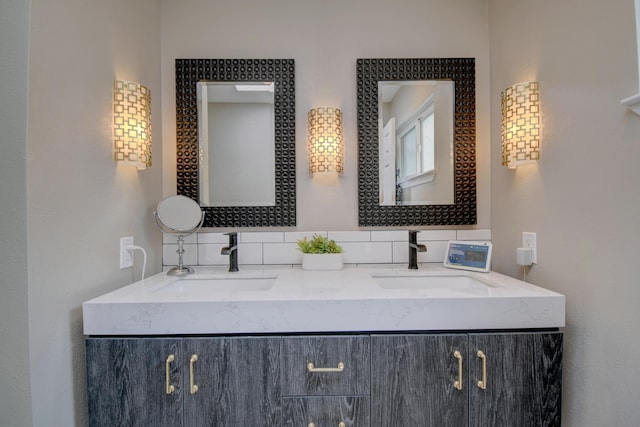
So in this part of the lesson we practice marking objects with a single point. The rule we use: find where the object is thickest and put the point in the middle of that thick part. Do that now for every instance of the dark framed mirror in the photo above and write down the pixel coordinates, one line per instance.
(279, 72)
(370, 73)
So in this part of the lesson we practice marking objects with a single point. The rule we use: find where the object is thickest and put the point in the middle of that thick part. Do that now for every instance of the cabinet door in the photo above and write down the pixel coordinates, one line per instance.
(523, 379)
(237, 382)
(334, 411)
(126, 382)
(413, 381)
(340, 365)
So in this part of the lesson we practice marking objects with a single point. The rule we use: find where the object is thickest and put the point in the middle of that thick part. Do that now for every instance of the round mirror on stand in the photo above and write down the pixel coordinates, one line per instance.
(179, 216)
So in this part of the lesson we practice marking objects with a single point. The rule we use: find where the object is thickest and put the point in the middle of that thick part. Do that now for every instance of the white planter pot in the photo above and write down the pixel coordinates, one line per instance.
(322, 261)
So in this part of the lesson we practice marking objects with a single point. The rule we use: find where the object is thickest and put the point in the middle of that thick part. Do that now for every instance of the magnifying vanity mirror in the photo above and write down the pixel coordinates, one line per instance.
(179, 217)
(235, 128)
(416, 136)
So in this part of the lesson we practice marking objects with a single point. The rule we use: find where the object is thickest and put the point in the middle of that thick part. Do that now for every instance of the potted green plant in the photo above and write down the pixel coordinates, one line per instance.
(320, 253)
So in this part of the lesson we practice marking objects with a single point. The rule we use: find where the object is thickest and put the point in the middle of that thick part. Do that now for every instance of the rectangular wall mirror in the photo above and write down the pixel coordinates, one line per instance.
(417, 152)
(236, 154)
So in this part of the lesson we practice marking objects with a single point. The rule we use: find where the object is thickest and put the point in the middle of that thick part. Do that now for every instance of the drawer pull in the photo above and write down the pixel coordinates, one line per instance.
(458, 384)
(341, 424)
(311, 368)
(170, 388)
(192, 387)
(483, 383)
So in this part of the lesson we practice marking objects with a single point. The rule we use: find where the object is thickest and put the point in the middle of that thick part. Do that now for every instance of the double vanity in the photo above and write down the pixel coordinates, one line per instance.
(367, 346)
(363, 346)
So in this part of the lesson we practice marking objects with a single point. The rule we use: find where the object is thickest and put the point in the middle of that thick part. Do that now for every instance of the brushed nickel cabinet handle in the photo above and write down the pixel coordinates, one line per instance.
(483, 383)
(192, 387)
(458, 383)
(167, 371)
(311, 368)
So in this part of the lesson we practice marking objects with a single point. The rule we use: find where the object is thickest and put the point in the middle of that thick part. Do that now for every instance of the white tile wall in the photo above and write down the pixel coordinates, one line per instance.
(279, 248)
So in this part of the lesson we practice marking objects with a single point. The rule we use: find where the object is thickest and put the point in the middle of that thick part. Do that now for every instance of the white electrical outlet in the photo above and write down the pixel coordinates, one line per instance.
(529, 241)
(126, 257)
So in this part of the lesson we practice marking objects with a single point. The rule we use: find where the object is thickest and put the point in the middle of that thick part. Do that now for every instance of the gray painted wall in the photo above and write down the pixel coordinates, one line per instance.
(582, 198)
(68, 203)
(325, 38)
(15, 401)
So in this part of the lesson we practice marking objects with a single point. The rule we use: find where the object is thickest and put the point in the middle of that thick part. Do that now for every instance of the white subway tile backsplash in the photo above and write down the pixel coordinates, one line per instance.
(479, 235)
(390, 236)
(250, 253)
(213, 238)
(261, 237)
(170, 256)
(209, 254)
(294, 236)
(350, 236)
(437, 235)
(168, 240)
(435, 252)
(279, 248)
(286, 253)
(367, 252)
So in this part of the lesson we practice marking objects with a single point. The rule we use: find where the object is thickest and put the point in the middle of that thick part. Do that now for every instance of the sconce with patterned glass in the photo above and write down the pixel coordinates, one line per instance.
(521, 124)
(132, 124)
(325, 140)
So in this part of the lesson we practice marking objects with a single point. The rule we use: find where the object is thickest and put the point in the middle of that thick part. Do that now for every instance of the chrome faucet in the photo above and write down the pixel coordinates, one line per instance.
(232, 251)
(414, 248)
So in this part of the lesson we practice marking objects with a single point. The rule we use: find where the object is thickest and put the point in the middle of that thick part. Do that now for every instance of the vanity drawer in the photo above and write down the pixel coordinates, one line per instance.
(329, 366)
(351, 411)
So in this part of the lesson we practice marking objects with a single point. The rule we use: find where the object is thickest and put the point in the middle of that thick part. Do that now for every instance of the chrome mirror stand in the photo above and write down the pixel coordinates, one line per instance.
(180, 269)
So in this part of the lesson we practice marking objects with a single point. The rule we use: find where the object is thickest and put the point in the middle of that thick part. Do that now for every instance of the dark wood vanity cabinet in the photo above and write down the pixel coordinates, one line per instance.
(379, 380)
(126, 383)
(326, 381)
(208, 381)
(412, 381)
(484, 379)
(523, 379)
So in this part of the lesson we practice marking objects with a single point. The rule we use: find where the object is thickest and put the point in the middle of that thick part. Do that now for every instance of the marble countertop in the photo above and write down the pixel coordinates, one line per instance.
(288, 300)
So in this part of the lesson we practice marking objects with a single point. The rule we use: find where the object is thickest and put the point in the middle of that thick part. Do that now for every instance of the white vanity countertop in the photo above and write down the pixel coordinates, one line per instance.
(321, 301)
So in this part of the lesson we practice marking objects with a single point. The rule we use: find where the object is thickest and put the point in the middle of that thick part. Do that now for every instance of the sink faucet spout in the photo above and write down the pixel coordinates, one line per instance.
(414, 248)
(232, 251)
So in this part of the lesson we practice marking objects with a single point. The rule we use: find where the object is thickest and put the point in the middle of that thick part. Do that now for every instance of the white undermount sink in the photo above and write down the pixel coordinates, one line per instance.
(430, 281)
(218, 284)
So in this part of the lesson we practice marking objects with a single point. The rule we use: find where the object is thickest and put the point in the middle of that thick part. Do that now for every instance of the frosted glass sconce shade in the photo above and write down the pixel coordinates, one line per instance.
(521, 124)
(132, 124)
(325, 140)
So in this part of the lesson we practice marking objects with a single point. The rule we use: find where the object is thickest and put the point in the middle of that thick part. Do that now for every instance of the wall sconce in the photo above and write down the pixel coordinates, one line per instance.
(325, 140)
(132, 124)
(521, 124)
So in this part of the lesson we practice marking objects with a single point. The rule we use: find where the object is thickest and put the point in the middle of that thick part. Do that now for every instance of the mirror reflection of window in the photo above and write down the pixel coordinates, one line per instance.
(421, 116)
(408, 149)
(416, 146)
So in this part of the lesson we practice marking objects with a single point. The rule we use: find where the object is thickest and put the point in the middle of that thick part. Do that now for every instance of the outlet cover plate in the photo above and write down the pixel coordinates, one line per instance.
(529, 240)
(126, 257)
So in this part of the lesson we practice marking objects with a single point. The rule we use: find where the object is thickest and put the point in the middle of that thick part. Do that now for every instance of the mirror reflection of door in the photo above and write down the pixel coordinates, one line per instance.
(416, 136)
(236, 144)
(388, 164)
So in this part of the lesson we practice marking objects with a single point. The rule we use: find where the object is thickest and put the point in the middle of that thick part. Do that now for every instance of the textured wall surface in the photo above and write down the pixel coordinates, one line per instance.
(326, 38)
(15, 402)
(79, 202)
(582, 198)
